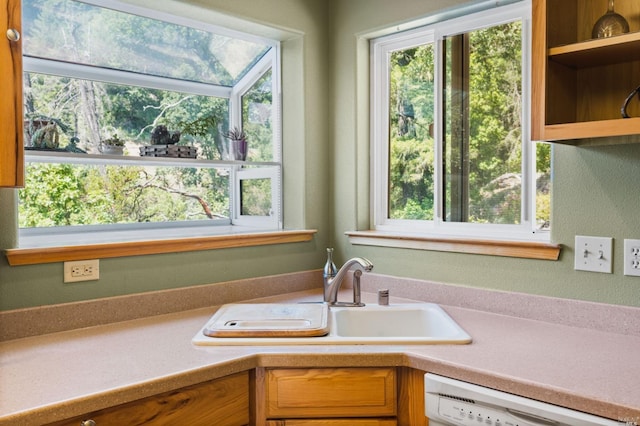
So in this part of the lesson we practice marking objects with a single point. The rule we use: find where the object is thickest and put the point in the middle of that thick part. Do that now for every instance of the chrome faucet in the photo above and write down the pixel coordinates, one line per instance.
(333, 280)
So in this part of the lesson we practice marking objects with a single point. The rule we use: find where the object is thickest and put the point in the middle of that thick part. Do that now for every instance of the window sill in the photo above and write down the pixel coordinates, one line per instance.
(32, 256)
(521, 249)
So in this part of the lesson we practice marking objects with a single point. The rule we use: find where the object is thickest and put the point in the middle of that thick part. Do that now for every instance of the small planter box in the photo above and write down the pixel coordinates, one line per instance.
(175, 151)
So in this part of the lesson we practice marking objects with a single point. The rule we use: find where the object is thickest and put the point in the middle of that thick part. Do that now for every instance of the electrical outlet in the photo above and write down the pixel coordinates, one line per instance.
(632, 257)
(81, 270)
(594, 254)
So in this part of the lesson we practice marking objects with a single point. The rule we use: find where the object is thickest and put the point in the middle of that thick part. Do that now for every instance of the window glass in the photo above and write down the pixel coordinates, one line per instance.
(543, 186)
(411, 147)
(72, 195)
(88, 112)
(256, 197)
(257, 121)
(483, 136)
(80, 33)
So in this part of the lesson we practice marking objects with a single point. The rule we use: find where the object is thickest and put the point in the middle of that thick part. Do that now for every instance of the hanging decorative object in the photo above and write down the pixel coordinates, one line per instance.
(625, 104)
(610, 24)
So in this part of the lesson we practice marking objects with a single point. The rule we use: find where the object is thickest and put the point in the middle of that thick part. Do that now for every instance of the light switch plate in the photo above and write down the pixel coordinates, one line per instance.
(594, 254)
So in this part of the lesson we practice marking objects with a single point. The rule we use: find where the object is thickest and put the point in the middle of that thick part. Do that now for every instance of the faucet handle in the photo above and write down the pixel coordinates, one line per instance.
(383, 297)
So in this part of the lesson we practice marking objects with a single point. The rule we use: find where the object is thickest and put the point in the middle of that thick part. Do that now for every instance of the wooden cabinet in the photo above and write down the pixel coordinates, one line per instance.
(329, 422)
(368, 396)
(220, 402)
(579, 84)
(11, 145)
(331, 396)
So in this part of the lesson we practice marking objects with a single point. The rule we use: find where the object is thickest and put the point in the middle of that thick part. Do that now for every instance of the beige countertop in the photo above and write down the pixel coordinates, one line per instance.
(60, 375)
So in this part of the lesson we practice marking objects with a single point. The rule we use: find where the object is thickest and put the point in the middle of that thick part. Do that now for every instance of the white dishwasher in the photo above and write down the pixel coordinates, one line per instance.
(454, 402)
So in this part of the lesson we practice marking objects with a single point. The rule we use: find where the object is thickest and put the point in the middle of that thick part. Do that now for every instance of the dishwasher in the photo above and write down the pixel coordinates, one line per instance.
(454, 402)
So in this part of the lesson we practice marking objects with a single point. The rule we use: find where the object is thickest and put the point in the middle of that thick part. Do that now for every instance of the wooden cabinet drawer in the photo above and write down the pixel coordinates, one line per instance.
(333, 422)
(220, 402)
(331, 392)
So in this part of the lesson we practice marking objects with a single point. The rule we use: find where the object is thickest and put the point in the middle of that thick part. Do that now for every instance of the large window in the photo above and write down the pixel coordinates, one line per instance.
(128, 121)
(450, 131)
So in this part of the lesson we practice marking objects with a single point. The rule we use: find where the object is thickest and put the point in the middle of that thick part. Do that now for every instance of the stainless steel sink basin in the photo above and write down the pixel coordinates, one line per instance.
(407, 323)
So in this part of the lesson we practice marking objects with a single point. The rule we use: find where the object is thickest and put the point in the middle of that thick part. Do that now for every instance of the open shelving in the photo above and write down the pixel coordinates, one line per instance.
(579, 83)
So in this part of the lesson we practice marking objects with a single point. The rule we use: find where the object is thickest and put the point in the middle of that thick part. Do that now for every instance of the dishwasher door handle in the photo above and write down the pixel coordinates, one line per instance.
(531, 418)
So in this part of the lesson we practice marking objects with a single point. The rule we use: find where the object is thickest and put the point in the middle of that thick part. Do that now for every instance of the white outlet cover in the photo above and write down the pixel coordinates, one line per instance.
(632, 257)
(81, 265)
(594, 254)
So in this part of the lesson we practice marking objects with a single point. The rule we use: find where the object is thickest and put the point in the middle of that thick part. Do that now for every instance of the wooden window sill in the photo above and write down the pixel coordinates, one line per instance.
(32, 256)
(522, 249)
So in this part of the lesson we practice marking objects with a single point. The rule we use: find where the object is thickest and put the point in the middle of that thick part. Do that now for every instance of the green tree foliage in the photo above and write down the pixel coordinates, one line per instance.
(411, 145)
(494, 128)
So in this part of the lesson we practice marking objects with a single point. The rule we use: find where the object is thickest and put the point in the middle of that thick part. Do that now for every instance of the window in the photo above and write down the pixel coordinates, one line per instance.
(127, 119)
(451, 154)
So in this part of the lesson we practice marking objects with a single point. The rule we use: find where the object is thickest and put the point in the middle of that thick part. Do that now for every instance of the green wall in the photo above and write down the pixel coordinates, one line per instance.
(594, 189)
(326, 151)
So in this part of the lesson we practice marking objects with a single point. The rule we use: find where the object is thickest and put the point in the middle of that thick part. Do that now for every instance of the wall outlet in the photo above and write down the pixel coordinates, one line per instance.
(594, 254)
(81, 270)
(632, 257)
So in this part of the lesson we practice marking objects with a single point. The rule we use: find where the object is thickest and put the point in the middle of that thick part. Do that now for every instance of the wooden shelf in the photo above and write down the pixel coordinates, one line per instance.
(33, 256)
(579, 84)
(35, 156)
(598, 52)
(594, 129)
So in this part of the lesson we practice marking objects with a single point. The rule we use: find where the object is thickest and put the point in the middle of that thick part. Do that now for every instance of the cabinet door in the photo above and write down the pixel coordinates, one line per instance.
(221, 402)
(342, 422)
(11, 147)
(333, 392)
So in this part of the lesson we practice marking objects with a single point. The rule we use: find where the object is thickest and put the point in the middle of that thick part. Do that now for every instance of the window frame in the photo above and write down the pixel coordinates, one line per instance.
(380, 49)
(236, 223)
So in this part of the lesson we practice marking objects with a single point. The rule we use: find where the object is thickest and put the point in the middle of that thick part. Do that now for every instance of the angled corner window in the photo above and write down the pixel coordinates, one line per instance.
(128, 114)
(450, 132)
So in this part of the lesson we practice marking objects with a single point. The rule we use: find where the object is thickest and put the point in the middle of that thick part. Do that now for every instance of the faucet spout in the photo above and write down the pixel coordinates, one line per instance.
(332, 283)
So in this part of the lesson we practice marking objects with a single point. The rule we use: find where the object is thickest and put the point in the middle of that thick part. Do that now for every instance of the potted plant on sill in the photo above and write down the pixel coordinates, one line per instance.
(238, 147)
(112, 146)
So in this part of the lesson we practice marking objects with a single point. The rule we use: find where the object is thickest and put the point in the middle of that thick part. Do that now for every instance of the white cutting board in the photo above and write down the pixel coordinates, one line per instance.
(269, 320)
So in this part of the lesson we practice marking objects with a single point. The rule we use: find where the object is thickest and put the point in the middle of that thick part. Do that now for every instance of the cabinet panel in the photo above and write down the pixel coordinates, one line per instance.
(411, 411)
(11, 148)
(341, 392)
(335, 422)
(579, 83)
(221, 402)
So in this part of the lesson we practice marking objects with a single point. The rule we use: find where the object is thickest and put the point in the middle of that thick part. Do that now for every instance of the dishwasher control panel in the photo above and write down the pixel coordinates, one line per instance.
(463, 413)
(459, 412)
(454, 402)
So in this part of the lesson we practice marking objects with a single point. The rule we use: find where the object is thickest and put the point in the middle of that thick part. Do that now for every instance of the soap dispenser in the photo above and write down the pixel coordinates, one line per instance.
(330, 269)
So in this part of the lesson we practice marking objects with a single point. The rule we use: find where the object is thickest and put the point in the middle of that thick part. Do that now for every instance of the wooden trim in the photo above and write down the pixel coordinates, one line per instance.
(32, 256)
(411, 397)
(11, 105)
(522, 249)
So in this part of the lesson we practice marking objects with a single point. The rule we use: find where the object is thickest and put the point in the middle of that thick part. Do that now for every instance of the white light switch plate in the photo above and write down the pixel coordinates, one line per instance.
(594, 254)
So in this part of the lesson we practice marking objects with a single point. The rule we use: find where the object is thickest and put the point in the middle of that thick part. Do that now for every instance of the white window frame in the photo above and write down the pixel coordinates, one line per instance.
(381, 49)
(39, 237)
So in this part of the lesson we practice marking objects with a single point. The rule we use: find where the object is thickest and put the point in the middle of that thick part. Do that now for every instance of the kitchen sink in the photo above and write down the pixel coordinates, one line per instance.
(406, 323)
(411, 322)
